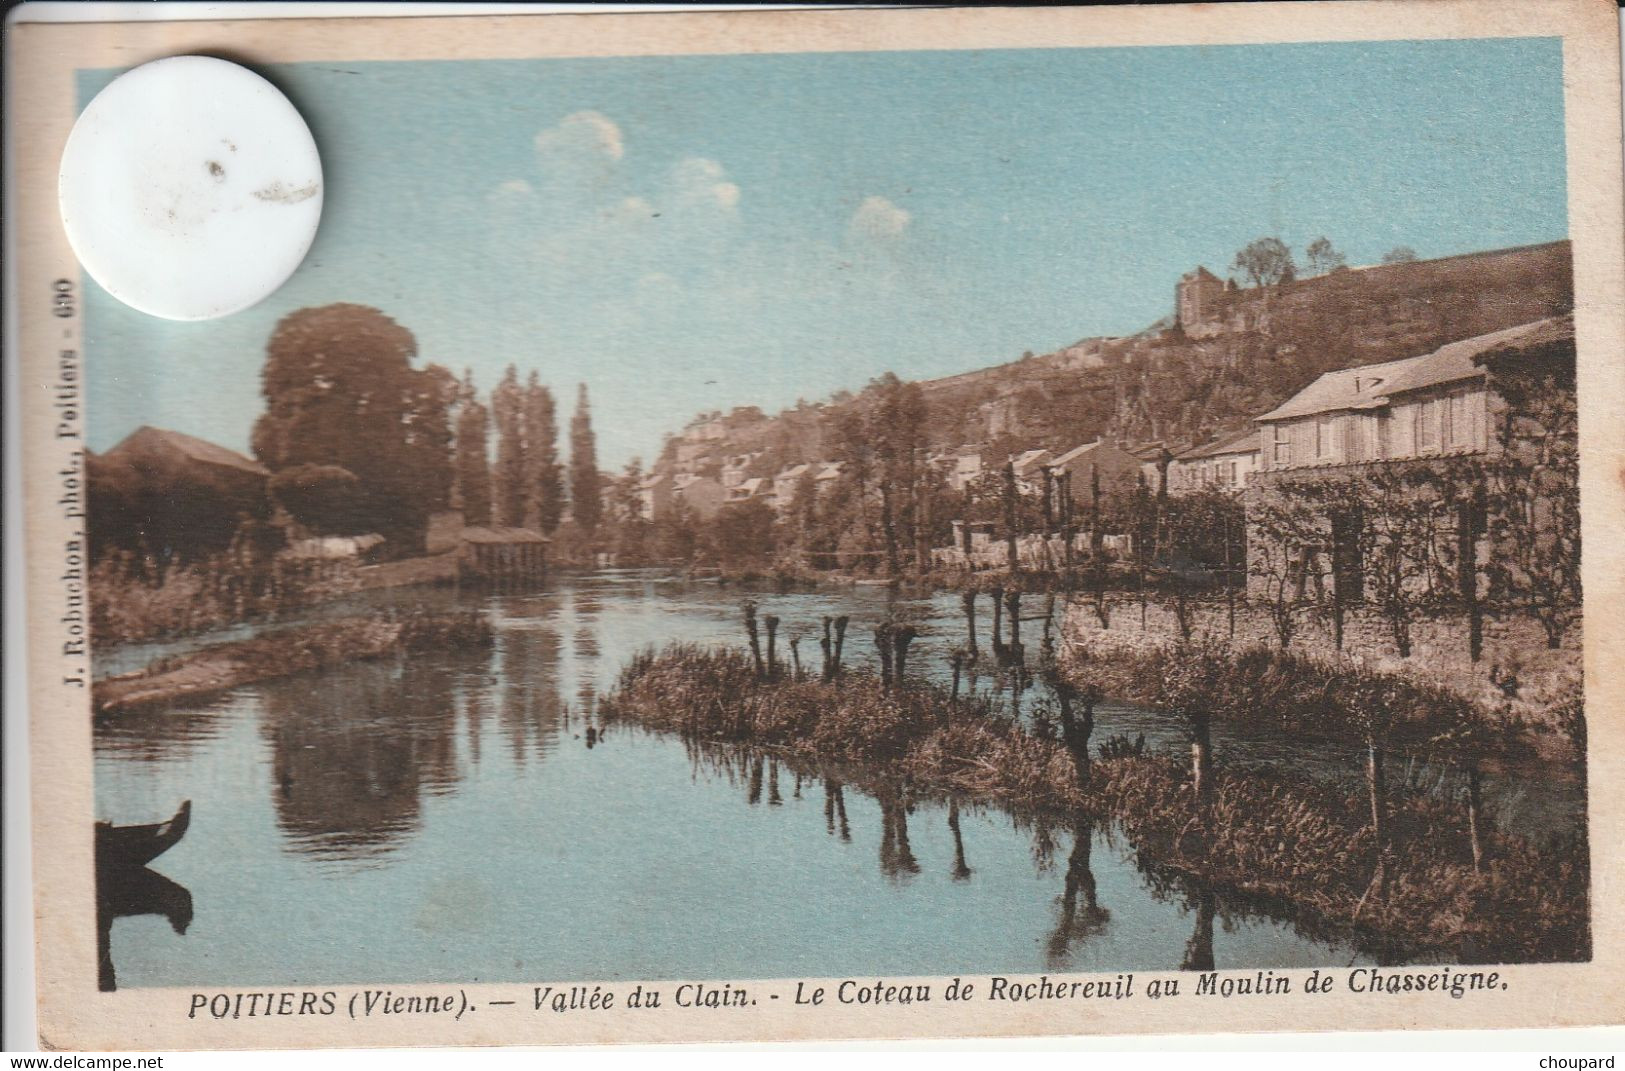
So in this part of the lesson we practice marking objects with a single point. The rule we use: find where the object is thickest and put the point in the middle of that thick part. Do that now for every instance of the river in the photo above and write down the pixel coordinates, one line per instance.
(459, 817)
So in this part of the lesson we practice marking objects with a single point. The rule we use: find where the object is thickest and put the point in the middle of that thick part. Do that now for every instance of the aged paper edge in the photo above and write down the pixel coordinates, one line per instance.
(72, 1014)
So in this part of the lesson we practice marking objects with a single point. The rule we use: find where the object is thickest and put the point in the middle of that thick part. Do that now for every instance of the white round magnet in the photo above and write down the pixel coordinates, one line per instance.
(190, 188)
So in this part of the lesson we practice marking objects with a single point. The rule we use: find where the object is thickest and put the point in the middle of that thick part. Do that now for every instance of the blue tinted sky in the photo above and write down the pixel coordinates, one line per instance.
(699, 232)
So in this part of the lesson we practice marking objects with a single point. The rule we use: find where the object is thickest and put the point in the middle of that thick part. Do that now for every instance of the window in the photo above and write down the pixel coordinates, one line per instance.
(1283, 446)
(1463, 426)
(1427, 425)
(1325, 429)
(1235, 473)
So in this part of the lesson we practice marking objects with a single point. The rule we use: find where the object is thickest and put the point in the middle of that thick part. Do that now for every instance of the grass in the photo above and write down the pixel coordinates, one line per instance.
(1266, 688)
(1301, 845)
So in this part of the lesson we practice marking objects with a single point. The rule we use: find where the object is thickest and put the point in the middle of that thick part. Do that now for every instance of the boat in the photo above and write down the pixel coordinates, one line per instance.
(136, 846)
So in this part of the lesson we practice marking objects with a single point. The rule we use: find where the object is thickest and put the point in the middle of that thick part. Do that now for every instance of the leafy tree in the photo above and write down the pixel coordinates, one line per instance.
(1400, 254)
(508, 408)
(742, 534)
(323, 498)
(585, 493)
(544, 476)
(340, 389)
(473, 462)
(625, 509)
(896, 428)
(1265, 262)
(1323, 258)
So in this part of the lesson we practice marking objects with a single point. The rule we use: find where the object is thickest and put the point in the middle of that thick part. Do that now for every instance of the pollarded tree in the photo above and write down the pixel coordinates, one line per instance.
(340, 389)
(586, 500)
(1265, 262)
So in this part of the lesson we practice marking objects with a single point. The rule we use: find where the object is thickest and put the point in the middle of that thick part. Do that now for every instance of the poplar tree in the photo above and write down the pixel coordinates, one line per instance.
(473, 464)
(585, 496)
(507, 407)
(544, 477)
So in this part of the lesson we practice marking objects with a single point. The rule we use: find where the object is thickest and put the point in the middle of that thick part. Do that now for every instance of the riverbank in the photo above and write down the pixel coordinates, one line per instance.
(286, 652)
(1303, 846)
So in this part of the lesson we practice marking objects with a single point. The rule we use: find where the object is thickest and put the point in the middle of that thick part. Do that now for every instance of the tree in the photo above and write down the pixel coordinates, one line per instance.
(896, 428)
(322, 498)
(508, 481)
(1400, 254)
(1265, 262)
(544, 476)
(340, 389)
(472, 460)
(625, 508)
(742, 534)
(585, 493)
(1323, 259)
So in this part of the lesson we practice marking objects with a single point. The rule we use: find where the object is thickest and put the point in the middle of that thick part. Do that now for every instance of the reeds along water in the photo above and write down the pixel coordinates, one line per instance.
(1257, 831)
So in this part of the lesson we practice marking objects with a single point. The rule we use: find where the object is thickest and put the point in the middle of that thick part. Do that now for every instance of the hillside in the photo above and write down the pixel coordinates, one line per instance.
(1164, 383)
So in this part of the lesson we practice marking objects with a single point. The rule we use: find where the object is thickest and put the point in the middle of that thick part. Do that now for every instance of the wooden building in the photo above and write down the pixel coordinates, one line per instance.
(503, 556)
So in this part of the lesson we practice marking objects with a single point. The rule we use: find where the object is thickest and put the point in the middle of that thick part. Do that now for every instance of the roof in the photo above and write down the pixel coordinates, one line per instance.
(498, 534)
(1244, 441)
(830, 471)
(331, 548)
(1199, 273)
(1372, 386)
(200, 450)
(794, 472)
(1030, 458)
(1078, 453)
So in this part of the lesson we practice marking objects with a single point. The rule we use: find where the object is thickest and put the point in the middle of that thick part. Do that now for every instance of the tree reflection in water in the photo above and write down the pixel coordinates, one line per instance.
(897, 860)
(1199, 949)
(1081, 913)
(354, 751)
(961, 870)
(835, 809)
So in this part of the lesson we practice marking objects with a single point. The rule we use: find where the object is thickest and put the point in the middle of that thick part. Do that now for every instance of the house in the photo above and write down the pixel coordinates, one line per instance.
(1116, 468)
(655, 496)
(829, 472)
(787, 484)
(963, 467)
(702, 494)
(1435, 405)
(1224, 464)
(754, 489)
(174, 454)
(1029, 468)
(1420, 415)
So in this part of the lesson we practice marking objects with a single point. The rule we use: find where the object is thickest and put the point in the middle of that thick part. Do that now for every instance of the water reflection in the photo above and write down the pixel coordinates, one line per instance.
(392, 770)
(124, 892)
(1081, 914)
(354, 751)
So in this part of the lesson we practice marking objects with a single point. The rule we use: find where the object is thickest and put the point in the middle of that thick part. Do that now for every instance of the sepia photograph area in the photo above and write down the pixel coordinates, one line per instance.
(858, 515)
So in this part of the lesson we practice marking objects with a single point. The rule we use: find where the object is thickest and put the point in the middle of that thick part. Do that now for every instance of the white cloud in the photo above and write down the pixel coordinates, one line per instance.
(696, 180)
(879, 219)
(581, 134)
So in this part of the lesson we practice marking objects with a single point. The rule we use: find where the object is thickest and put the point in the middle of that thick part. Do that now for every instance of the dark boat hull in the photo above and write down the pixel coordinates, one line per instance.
(136, 846)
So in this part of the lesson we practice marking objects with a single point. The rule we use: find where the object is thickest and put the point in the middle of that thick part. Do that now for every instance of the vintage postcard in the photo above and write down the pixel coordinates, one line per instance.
(801, 525)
